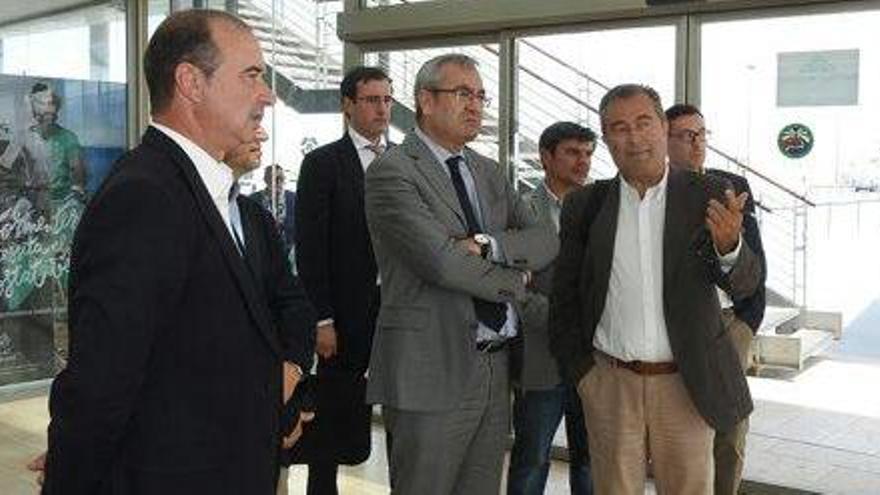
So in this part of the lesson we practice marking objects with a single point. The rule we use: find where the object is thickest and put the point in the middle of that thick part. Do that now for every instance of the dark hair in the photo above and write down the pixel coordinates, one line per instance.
(681, 110)
(360, 74)
(628, 91)
(271, 170)
(182, 37)
(560, 131)
(41, 87)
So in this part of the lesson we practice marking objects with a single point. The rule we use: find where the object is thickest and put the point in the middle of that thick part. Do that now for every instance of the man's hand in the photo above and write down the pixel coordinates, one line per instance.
(325, 344)
(291, 376)
(289, 441)
(725, 223)
(469, 245)
(38, 465)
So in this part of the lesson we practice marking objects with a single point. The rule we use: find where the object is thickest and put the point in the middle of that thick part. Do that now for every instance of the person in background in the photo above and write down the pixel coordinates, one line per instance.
(742, 317)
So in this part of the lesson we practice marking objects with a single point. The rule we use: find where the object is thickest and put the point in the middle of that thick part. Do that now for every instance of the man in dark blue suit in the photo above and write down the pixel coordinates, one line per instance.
(184, 346)
(742, 317)
(335, 261)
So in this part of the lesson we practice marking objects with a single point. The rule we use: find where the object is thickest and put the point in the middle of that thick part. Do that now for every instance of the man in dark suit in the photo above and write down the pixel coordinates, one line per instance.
(541, 398)
(742, 317)
(453, 242)
(634, 315)
(182, 350)
(280, 202)
(335, 261)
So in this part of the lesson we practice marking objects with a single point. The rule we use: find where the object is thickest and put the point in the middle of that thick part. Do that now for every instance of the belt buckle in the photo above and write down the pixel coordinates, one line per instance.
(490, 346)
(636, 366)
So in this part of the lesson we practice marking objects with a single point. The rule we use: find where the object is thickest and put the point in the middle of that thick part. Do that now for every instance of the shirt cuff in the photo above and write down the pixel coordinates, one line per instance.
(496, 254)
(325, 322)
(729, 259)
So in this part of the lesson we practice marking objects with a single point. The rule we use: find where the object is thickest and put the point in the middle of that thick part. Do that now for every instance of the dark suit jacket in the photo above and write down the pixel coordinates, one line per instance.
(335, 262)
(750, 308)
(288, 226)
(174, 380)
(334, 256)
(706, 358)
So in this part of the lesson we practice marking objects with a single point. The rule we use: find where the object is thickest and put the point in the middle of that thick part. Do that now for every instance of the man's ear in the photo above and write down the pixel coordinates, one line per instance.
(189, 82)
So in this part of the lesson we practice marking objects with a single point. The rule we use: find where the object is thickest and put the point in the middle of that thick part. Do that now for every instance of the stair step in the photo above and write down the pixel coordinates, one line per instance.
(775, 318)
(791, 350)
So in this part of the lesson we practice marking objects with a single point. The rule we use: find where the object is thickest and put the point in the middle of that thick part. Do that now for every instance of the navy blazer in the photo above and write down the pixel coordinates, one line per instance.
(173, 385)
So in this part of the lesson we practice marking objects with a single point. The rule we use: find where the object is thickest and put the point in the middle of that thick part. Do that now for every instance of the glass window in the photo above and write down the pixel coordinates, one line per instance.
(564, 76)
(62, 124)
(792, 98)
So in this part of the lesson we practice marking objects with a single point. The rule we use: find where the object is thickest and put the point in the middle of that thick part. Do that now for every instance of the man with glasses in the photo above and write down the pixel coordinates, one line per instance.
(454, 244)
(742, 317)
(335, 262)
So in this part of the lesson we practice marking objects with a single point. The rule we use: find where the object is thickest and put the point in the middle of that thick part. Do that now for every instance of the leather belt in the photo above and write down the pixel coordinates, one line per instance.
(641, 367)
(491, 345)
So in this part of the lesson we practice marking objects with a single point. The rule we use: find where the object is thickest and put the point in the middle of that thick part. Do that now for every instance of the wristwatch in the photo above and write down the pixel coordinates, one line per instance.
(485, 244)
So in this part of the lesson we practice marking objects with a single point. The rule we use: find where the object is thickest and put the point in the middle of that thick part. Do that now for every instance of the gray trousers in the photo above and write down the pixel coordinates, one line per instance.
(459, 451)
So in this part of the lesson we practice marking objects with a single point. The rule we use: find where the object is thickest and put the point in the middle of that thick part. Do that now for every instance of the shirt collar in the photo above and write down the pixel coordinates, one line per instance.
(550, 193)
(216, 175)
(441, 153)
(360, 142)
(657, 192)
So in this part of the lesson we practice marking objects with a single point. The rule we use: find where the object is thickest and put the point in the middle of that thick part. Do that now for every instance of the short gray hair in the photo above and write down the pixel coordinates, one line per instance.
(628, 91)
(428, 76)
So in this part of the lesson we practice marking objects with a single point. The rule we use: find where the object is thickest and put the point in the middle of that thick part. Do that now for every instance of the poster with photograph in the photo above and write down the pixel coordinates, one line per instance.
(58, 139)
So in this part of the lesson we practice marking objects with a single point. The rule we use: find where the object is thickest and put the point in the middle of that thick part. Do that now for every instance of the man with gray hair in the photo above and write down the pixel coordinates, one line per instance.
(455, 246)
(634, 316)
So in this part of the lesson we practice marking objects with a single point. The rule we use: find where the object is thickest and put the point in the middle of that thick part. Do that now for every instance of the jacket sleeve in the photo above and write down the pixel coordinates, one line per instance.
(314, 203)
(290, 307)
(401, 222)
(128, 272)
(565, 312)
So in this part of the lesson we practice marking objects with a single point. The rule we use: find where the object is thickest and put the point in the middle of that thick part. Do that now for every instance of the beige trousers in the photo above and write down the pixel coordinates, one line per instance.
(631, 418)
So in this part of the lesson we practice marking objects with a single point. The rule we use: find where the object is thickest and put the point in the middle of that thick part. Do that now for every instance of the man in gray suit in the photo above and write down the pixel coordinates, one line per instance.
(634, 315)
(541, 399)
(455, 246)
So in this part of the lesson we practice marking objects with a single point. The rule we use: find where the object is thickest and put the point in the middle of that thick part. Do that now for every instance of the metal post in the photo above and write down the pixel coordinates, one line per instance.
(136, 43)
(507, 108)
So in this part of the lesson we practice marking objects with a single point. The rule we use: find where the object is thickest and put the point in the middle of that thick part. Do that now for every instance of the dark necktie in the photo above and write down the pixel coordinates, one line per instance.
(235, 217)
(490, 314)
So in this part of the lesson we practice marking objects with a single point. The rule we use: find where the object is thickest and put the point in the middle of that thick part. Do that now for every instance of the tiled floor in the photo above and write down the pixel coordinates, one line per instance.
(817, 432)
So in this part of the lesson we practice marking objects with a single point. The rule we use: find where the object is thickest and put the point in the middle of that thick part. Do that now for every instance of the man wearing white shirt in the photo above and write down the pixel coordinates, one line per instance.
(335, 262)
(634, 315)
(177, 368)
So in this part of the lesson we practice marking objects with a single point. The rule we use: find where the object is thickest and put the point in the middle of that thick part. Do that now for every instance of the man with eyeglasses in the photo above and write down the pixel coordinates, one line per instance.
(742, 317)
(335, 262)
(454, 244)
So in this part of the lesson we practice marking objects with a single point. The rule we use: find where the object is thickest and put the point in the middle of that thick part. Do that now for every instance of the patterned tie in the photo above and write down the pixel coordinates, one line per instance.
(491, 314)
(377, 149)
(235, 218)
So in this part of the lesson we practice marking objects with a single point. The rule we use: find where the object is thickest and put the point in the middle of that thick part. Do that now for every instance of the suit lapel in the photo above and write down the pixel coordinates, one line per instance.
(481, 172)
(602, 235)
(218, 229)
(348, 155)
(429, 167)
(676, 229)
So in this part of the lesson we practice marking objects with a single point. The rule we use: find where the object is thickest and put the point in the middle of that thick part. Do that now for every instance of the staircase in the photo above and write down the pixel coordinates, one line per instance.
(305, 59)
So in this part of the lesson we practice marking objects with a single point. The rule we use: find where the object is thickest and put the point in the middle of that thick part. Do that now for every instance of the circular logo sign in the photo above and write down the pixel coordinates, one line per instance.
(795, 140)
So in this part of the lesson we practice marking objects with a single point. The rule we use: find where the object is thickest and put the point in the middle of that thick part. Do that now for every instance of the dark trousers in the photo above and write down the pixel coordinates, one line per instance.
(322, 478)
(536, 417)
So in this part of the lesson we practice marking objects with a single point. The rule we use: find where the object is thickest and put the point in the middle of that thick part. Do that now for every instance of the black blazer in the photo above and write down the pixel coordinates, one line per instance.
(706, 358)
(334, 255)
(749, 309)
(174, 380)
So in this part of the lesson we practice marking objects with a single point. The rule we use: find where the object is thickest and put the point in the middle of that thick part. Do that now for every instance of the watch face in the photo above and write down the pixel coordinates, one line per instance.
(481, 239)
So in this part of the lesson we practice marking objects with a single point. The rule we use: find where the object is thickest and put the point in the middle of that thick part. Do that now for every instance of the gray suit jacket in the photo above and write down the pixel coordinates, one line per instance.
(706, 358)
(424, 346)
(539, 369)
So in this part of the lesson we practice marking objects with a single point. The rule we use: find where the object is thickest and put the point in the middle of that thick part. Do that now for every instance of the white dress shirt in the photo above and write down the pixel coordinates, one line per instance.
(509, 329)
(364, 147)
(633, 324)
(216, 175)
